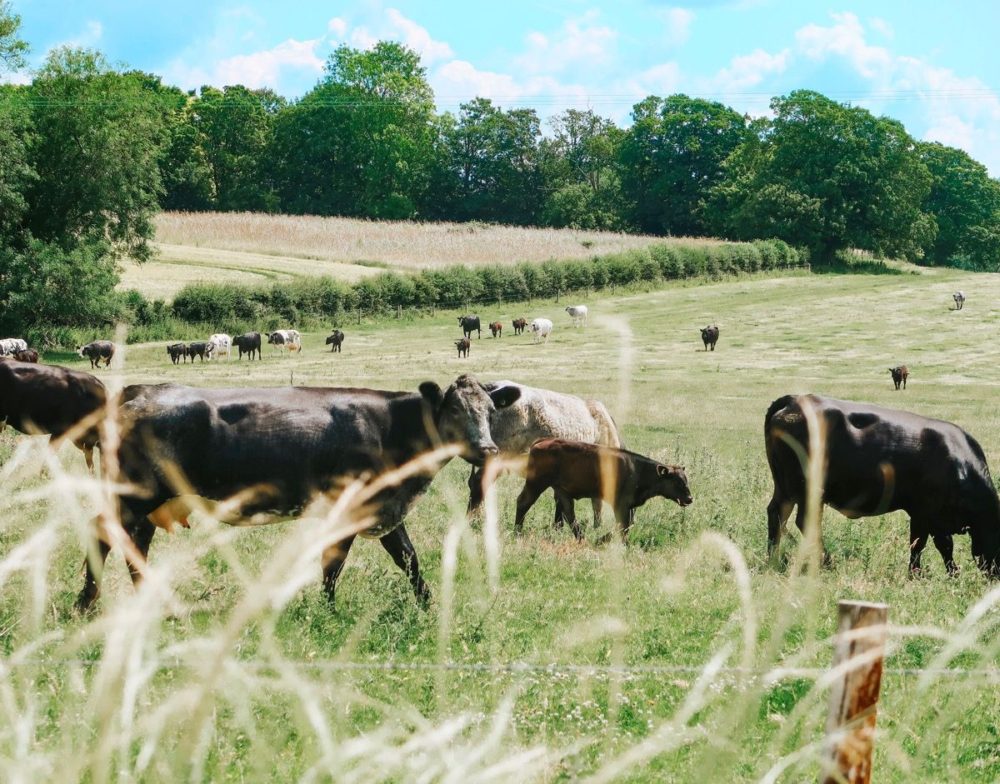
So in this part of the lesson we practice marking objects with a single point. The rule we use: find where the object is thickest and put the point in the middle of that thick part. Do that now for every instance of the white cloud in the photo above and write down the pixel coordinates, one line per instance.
(845, 39)
(257, 69)
(749, 70)
(88, 38)
(677, 23)
(881, 26)
(580, 44)
(394, 26)
(662, 79)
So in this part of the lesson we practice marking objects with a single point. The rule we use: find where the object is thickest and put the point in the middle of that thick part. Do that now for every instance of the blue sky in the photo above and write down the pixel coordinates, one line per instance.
(932, 65)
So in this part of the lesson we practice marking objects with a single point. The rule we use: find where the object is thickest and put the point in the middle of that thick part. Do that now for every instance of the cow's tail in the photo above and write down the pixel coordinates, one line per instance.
(608, 433)
(774, 408)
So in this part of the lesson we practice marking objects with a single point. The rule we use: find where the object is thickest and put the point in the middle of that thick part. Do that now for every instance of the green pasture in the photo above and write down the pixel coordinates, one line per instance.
(539, 659)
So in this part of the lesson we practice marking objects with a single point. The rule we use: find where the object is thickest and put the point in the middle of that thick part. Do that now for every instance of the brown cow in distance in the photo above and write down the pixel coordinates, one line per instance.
(899, 375)
(496, 328)
(520, 325)
(574, 469)
(463, 347)
(64, 403)
(26, 355)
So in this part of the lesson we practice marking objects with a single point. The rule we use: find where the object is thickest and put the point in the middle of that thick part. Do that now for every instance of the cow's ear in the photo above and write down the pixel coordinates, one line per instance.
(505, 396)
(432, 394)
(662, 470)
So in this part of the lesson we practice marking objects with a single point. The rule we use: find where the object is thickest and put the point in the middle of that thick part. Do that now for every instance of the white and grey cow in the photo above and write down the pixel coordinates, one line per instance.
(579, 314)
(959, 298)
(541, 328)
(219, 344)
(286, 339)
(543, 413)
(10, 345)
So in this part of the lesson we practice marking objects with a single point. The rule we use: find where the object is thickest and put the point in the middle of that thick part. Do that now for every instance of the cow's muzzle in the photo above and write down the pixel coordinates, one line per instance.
(685, 501)
(477, 455)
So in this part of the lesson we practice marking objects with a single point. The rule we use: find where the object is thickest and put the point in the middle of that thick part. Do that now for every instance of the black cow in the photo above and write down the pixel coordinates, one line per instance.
(710, 336)
(879, 460)
(519, 325)
(248, 343)
(64, 403)
(197, 349)
(575, 469)
(278, 448)
(469, 323)
(899, 375)
(336, 340)
(177, 352)
(96, 351)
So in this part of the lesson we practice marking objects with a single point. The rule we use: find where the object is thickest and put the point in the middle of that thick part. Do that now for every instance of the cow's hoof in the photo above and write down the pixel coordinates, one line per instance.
(605, 539)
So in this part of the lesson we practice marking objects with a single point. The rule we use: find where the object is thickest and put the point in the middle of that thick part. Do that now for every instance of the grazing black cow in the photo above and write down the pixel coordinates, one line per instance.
(177, 352)
(64, 403)
(575, 469)
(899, 375)
(469, 323)
(26, 355)
(879, 460)
(335, 340)
(197, 349)
(279, 448)
(463, 347)
(96, 351)
(496, 328)
(710, 336)
(247, 343)
(519, 325)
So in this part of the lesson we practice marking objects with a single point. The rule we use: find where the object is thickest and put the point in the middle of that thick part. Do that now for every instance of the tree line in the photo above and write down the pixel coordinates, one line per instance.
(90, 152)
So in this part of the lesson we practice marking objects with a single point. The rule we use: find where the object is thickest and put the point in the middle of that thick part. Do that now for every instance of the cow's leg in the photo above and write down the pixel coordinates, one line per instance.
(399, 546)
(918, 540)
(142, 535)
(525, 500)
(625, 515)
(566, 510)
(93, 565)
(333, 561)
(946, 546)
(596, 504)
(476, 489)
(778, 511)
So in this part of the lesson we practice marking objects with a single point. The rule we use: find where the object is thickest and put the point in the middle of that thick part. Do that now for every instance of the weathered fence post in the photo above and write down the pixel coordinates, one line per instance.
(359, 316)
(859, 648)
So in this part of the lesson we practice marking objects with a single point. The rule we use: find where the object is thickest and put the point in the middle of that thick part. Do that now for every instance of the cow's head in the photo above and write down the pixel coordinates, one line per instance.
(83, 351)
(462, 414)
(672, 483)
(275, 337)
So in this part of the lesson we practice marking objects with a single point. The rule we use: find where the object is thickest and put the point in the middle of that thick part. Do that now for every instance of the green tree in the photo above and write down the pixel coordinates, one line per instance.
(233, 128)
(580, 171)
(15, 170)
(96, 141)
(494, 156)
(12, 48)
(965, 203)
(362, 141)
(828, 177)
(672, 156)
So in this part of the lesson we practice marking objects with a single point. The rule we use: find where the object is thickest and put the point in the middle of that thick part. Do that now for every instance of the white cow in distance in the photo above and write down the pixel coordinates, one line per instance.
(579, 314)
(10, 345)
(959, 298)
(286, 338)
(218, 345)
(541, 328)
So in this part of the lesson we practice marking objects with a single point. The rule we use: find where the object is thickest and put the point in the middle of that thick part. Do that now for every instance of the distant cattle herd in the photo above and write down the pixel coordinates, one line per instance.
(269, 451)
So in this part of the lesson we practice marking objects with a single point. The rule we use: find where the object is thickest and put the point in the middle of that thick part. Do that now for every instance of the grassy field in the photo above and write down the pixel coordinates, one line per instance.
(683, 657)
(253, 247)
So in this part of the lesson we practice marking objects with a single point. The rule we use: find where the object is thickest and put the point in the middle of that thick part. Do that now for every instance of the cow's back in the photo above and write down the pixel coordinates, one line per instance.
(49, 398)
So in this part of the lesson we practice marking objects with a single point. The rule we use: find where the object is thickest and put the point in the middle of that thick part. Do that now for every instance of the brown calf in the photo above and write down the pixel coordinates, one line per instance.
(26, 355)
(463, 347)
(496, 328)
(519, 325)
(899, 375)
(574, 469)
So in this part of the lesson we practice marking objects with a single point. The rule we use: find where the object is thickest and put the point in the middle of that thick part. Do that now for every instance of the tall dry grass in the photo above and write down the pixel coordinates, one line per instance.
(398, 244)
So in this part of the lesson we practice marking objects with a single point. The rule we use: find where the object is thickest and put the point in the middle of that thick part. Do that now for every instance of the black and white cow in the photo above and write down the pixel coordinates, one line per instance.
(9, 345)
(289, 339)
(278, 449)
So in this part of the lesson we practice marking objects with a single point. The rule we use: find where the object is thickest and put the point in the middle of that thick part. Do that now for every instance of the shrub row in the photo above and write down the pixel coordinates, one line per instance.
(460, 286)
(317, 302)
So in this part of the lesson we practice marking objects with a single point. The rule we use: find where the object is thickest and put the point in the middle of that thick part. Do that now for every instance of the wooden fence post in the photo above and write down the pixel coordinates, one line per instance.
(850, 723)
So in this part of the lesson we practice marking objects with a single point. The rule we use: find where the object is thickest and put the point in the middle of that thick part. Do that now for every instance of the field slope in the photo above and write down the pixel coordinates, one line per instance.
(539, 658)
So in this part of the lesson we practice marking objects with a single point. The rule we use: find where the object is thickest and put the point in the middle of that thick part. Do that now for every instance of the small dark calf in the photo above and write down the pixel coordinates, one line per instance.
(177, 352)
(463, 347)
(335, 340)
(26, 355)
(496, 328)
(247, 343)
(96, 351)
(574, 469)
(197, 349)
(899, 375)
(710, 336)
(519, 325)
